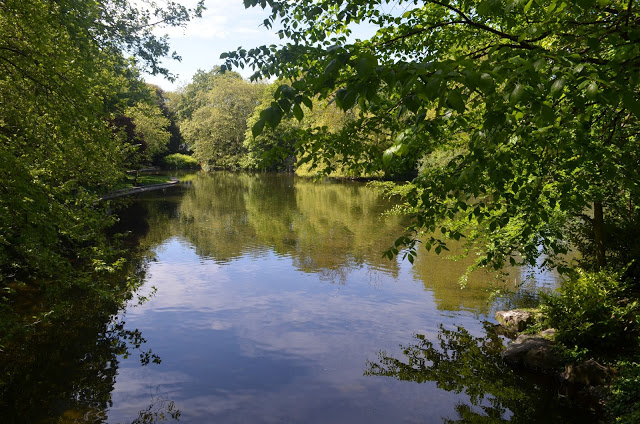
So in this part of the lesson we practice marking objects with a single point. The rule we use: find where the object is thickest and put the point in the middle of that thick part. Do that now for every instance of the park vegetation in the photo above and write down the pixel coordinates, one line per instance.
(513, 125)
(521, 117)
(75, 115)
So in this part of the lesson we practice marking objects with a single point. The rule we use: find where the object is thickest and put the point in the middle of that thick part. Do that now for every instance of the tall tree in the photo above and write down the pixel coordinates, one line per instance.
(151, 128)
(62, 74)
(538, 102)
(215, 109)
(176, 142)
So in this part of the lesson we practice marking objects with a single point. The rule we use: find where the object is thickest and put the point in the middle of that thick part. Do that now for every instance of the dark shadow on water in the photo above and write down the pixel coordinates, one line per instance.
(461, 363)
(63, 368)
(66, 374)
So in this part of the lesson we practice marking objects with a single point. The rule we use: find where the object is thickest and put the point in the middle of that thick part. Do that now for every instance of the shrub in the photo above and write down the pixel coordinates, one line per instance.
(594, 313)
(624, 405)
(180, 161)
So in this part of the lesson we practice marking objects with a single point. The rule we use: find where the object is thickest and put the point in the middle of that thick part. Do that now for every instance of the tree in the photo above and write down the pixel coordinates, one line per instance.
(176, 142)
(531, 108)
(63, 79)
(151, 127)
(215, 109)
(276, 148)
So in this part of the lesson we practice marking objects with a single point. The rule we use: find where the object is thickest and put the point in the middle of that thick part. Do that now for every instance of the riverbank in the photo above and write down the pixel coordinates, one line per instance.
(587, 336)
(140, 189)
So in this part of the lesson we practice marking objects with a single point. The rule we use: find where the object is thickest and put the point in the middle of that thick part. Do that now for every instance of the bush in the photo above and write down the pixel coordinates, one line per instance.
(595, 314)
(624, 405)
(180, 161)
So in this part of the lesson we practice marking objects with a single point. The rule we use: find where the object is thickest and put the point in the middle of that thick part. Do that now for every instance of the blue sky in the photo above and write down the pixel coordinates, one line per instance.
(225, 26)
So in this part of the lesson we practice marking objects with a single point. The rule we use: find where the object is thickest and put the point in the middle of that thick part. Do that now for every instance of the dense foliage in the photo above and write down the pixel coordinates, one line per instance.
(63, 83)
(595, 314)
(532, 105)
(277, 148)
(180, 161)
(212, 111)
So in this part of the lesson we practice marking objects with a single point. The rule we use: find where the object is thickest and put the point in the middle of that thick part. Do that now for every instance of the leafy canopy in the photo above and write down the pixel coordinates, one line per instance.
(63, 78)
(532, 107)
(213, 111)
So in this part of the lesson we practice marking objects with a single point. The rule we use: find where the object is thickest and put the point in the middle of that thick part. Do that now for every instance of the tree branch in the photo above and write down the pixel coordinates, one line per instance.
(468, 21)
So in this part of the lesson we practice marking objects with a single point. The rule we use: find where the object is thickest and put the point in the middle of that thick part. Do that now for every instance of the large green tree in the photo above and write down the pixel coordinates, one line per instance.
(63, 80)
(214, 110)
(276, 148)
(526, 112)
(151, 127)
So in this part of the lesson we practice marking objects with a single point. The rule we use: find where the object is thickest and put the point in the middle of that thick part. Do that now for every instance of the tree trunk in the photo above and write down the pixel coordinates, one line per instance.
(598, 233)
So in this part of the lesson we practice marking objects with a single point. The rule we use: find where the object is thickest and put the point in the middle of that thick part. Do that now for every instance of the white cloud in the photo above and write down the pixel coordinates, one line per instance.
(210, 26)
(220, 20)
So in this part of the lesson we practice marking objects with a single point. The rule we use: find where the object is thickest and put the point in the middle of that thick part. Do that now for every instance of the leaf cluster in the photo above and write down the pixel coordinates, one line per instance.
(595, 314)
(63, 81)
(538, 100)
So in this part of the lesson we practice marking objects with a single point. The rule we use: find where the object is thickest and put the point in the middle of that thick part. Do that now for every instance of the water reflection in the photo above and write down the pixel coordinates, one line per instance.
(326, 228)
(272, 293)
(461, 363)
(66, 373)
(441, 275)
(63, 368)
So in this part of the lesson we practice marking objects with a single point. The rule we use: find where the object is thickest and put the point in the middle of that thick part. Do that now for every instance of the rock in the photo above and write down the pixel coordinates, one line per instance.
(549, 333)
(516, 319)
(531, 351)
(589, 373)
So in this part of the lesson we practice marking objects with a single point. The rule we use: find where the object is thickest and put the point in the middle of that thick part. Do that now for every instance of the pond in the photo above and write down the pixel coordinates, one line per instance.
(266, 299)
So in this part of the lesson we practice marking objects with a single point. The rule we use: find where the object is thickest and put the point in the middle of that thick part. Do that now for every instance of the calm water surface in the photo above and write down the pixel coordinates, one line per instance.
(270, 302)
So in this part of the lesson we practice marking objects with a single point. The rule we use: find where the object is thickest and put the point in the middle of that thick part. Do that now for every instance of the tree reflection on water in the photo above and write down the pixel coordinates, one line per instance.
(63, 368)
(46, 380)
(461, 363)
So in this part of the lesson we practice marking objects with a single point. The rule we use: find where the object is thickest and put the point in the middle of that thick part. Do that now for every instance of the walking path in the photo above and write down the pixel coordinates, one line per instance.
(141, 189)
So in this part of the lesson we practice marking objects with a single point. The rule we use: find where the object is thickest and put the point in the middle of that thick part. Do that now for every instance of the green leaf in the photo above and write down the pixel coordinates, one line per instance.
(454, 100)
(389, 153)
(272, 115)
(345, 98)
(486, 83)
(297, 112)
(557, 86)
(331, 67)
(592, 90)
(366, 64)
(528, 6)
(484, 8)
(472, 80)
(307, 102)
(516, 94)
(547, 113)
(258, 127)
(631, 104)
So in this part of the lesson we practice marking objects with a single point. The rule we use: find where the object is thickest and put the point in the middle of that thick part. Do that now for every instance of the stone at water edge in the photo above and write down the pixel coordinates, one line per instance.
(589, 373)
(516, 319)
(535, 352)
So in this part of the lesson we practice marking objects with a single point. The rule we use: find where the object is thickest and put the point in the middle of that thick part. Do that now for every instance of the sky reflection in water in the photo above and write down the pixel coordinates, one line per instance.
(272, 298)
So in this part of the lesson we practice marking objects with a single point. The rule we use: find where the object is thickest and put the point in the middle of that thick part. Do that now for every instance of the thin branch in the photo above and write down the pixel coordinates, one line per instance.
(419, 31)
(468, 21)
